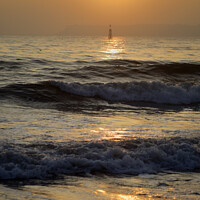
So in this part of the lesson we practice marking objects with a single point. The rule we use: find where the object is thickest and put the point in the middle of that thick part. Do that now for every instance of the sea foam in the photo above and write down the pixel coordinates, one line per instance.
(155, 92)
(125, 157)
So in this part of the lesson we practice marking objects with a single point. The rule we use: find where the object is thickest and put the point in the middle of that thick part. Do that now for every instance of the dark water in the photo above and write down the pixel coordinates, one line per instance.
(93, 108)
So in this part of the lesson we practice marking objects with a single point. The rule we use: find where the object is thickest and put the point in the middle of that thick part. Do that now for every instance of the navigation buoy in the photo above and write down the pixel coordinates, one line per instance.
(110, 33)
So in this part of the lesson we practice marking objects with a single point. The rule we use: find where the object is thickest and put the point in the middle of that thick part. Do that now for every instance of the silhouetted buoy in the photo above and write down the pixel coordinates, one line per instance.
(110, 33)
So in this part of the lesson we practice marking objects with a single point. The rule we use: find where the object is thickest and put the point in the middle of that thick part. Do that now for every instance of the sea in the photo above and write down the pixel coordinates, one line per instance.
(91, 118)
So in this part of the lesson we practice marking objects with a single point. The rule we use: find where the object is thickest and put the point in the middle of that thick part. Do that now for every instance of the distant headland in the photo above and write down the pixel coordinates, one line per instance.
(134, 30)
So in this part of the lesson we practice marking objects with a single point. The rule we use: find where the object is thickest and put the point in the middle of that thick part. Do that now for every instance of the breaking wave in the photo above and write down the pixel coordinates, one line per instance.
(155, 92)
(129, 92)
(125, 157)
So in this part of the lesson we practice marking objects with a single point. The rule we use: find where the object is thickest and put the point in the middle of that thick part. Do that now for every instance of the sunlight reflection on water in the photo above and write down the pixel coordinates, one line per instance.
(113, 49)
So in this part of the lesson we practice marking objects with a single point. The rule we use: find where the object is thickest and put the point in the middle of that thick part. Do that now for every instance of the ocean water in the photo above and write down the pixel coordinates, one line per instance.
(92, 118)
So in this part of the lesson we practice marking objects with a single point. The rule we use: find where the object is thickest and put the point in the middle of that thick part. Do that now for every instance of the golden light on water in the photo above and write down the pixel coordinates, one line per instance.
(118, 196)
(114, 48)
(110, 134)
(127, 197)
(101, 191)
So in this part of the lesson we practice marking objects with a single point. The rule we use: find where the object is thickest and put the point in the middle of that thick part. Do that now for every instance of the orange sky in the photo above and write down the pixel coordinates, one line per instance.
(54, 15)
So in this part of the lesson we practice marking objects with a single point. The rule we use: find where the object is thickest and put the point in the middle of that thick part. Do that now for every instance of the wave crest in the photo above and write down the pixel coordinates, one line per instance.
(155, 92)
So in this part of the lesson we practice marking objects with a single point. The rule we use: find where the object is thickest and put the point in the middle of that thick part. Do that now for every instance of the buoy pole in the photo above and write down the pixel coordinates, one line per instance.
(110, 33)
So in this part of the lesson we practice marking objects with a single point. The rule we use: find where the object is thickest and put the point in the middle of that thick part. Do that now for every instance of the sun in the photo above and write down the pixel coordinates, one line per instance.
(111, 4)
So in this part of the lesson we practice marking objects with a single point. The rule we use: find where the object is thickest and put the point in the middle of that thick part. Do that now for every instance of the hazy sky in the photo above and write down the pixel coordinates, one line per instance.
(53, 15)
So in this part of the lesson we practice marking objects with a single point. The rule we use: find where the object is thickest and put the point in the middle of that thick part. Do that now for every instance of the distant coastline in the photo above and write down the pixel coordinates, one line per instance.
(143, 30)
(134, 30)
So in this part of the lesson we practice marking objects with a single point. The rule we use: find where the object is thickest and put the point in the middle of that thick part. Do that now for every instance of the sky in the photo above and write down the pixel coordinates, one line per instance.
(51, 16)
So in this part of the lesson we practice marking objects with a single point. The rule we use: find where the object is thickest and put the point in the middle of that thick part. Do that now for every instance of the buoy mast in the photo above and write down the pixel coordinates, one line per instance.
(110, 33)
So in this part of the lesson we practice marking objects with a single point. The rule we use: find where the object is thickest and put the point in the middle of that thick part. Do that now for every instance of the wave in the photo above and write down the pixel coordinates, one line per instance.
(4, 65)
(175, 72)
(155, 92)
(24, 62)
(129, 92)
(125, 157)
(152, 66)
(128, 65)
(104, 71)
(176, 68)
